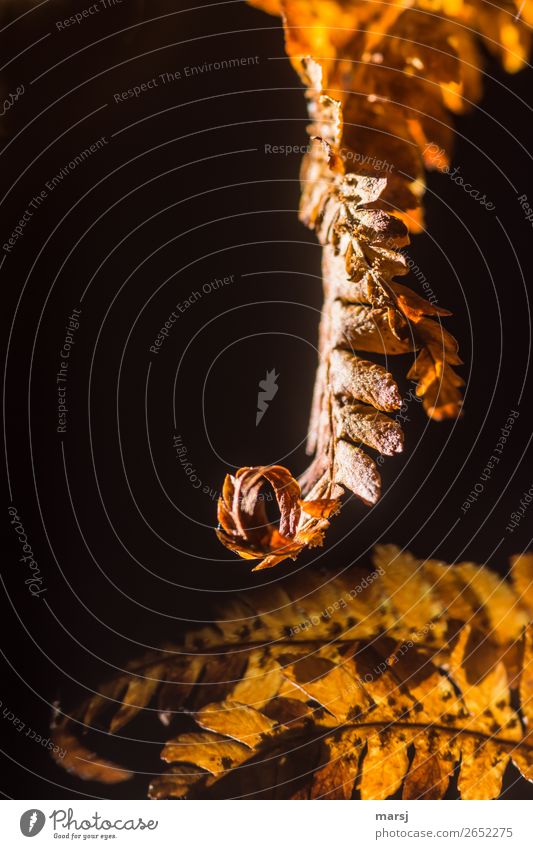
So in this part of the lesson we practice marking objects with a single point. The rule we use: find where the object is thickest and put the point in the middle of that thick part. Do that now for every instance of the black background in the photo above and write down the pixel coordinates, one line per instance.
(184, 194)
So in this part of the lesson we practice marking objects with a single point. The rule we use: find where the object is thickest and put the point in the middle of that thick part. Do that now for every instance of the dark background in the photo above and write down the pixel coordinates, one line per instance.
(129, 558)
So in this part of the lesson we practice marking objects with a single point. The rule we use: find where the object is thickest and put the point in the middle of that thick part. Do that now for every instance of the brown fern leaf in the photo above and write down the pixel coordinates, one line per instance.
(365, 310)
(355, 686)
(244, 525)
(381, 79)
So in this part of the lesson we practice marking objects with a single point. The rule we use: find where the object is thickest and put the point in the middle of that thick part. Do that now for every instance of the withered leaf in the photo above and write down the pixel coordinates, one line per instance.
(368, 684)
(357, 472)
(361, 423)
(78, 759)
(360, 380)
(211, 752)
(239, 721)
(381, 80)
(245, 528)
(139, 692)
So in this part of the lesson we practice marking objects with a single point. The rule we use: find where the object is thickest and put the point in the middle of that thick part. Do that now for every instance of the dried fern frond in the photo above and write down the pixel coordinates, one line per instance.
(359, 685)
(244, 525)
(381, 80)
